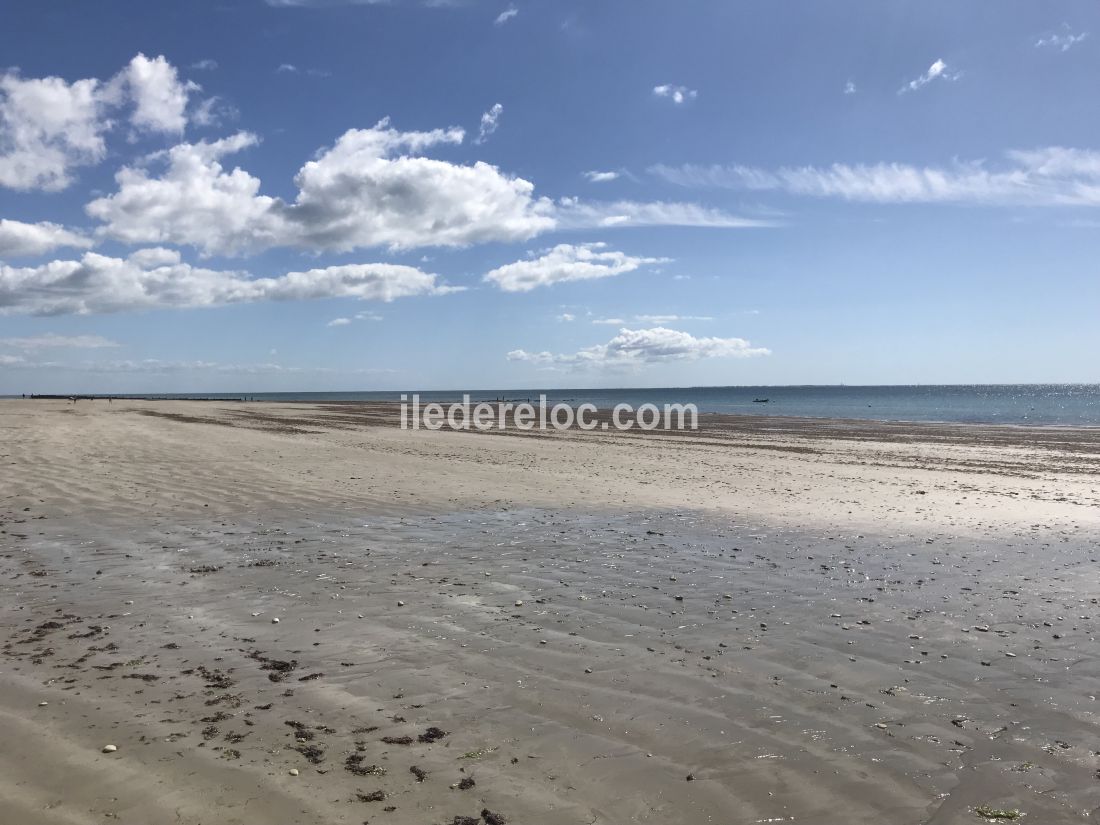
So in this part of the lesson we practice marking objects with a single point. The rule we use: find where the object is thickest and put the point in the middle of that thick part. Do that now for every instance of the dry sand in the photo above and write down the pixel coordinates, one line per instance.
(769, 620)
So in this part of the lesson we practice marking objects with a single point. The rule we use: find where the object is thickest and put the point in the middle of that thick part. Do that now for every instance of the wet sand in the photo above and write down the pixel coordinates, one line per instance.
(766, 621)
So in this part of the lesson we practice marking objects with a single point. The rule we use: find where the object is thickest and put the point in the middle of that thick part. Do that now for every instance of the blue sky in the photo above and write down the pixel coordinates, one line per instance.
(281, 195)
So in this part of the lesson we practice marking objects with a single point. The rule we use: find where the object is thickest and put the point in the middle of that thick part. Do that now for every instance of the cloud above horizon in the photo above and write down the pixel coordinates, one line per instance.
(50, 127)
(52, 340)
(565, 262)
(1061, 41)
(1049, 176)
(157, 366)
(632, 349)
(505, 16)
(937, 71)
(489, 122)
(157, 278)
(655, 320)
(677, 94)
(372, 188)
(18, 239)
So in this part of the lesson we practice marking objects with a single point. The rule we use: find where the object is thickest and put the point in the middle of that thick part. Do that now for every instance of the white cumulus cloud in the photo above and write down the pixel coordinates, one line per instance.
(194, 201)
(159, 96)
(19, 239)
(371, 188)
(151, 279)
(565, 262)
(49, 127)
(639, 347)
(677, 94)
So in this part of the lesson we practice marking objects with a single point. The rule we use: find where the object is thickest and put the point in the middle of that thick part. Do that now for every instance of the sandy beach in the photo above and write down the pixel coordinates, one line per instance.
(768, 620)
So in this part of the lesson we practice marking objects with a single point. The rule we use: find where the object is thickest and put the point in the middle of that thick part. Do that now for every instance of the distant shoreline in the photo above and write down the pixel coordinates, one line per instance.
(1045, 405)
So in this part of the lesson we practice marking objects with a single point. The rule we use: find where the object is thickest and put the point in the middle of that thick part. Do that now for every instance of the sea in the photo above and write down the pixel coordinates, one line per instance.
(1021, 404)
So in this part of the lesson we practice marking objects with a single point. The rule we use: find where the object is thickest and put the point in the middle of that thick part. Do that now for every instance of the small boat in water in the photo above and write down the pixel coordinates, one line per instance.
(760, 401)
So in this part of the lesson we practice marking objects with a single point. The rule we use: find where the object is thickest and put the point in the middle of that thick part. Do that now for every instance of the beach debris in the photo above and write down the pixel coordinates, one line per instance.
(418, 772)
(313, 754)
(109, 748)
(478, 753)
(399, 604)
(373, 796)
(519, 603)
(988, 812)
(432, 734)
(293, 772)
(492, 818)
(354, 764)
(274, 619)
(278, 669)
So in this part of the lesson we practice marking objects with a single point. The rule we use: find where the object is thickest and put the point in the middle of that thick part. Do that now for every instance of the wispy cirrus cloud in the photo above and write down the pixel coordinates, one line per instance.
(359, 316)
(632, 349)
(156, 366)
(601, 177)
(655, 320)
(573, 213)
(505, 16)
(53, 341)
(1048, 176)
(1061, 41)
(489, 122)
(662, 320)
(939, 70)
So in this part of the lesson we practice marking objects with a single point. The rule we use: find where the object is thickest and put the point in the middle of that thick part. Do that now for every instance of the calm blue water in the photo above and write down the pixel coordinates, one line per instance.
(1065, 404)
